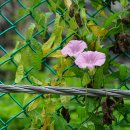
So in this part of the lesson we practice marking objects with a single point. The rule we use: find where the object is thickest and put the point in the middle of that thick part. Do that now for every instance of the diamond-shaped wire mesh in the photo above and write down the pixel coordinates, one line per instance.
(15, 18)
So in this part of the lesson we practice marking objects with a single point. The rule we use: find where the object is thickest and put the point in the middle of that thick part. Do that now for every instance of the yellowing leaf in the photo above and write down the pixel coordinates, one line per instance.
(92, 45)
(97, 30)
(56, 67)
(51, 126)
(62, 66)
(28, 97)
(54, 83)
(17, 57)
(53, 41)
(47, 123)
(47, 46)
(35, 80)
(50, 102)
(98, 44)
(64, 99)
(58, 38)
(45, 51)
(33, 105)
(102, 11)
(68, 3)
(56, 54)
(19, 73)
(57, 20)
(83, 14)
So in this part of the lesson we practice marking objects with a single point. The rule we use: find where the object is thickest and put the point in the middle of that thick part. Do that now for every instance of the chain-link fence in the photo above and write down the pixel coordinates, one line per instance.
(17, 109)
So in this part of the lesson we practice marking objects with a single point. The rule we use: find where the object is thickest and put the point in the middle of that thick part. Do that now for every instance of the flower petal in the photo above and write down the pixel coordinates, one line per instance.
(74, 48)
(81, 61)
(65, 50)
(101, 58)
(90, 59)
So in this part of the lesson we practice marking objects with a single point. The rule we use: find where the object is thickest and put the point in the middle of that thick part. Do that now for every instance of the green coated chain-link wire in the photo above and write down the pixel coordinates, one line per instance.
(4, 124)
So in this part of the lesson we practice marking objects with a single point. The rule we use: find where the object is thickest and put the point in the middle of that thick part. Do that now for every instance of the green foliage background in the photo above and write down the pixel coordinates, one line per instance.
(42, 28)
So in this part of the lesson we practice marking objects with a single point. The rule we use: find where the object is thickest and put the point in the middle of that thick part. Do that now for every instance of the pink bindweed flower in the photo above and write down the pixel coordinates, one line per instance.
(74, 48)
(90, 59)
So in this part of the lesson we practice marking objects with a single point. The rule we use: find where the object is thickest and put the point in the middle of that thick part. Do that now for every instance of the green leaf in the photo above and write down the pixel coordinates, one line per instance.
(34, 2)
(90, 104)
(81, 113)
(60, 123)
(123, 71)
(112, 18)
(99, 78)
(77, 71)
(124, 3)
(41, 20)
(23, 11)
(52, 5)
(16, 46)
(88, 126)
(109, 78)
(5, 57)
(83, 14)
(58, 38)
(37, 58)
(90, 37)
(26, 56)
(36, 120)
(81, 4)
(57, 21)
(96, 3)
(35, 44)
(57, 31)
(86, 79)
(114, 31)
(69, 32)
(73, 24)
(30, 31)
(117, 127)
(19, 73)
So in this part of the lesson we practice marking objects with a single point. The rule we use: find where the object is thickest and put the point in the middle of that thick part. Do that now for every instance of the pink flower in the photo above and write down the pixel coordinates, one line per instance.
(74, 48)
(90, 59)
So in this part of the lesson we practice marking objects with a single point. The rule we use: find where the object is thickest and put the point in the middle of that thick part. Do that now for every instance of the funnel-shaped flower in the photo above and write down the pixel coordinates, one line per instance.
(90, 59)
(74, 48)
